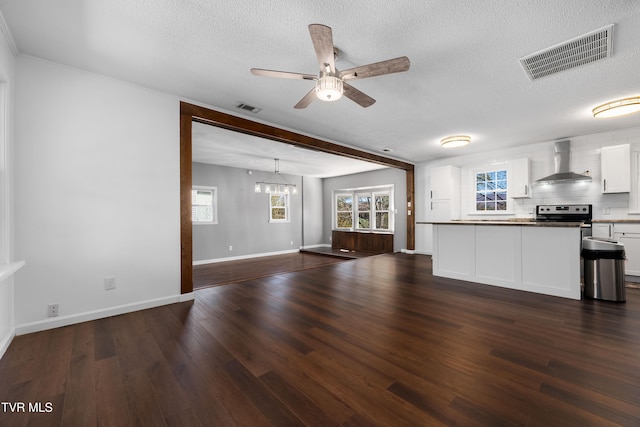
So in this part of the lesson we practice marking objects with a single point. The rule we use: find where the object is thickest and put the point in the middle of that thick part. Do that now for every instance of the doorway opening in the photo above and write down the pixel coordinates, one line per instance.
(190, 113)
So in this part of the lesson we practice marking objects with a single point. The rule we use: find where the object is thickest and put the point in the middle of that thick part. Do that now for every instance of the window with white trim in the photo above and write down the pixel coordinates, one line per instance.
(382, 209)
(344, 211)
(279, 207)
(204, 205)
(491, 191)
(364, 209)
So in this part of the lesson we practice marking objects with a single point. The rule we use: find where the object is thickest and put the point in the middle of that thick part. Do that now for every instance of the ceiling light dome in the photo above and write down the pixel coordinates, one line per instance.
(617, 108)
(455, 141)
(329, 88)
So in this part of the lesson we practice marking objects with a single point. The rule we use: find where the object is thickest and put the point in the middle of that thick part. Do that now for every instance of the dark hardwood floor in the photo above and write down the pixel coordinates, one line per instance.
(223, 273)
(373, 341)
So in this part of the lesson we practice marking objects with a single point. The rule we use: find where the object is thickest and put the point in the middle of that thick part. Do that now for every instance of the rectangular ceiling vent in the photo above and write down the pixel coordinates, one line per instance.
(248, 107)
(576, 52)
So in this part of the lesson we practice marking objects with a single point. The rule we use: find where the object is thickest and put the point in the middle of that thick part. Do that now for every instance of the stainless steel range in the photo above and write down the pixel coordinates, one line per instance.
(565, 213)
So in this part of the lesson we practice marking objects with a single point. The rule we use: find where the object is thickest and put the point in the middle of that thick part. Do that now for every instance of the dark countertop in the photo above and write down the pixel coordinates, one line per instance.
(626, 220)
(519, 222)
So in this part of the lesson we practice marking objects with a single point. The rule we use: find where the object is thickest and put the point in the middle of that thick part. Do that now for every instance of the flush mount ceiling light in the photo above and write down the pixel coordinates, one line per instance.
(455, 141)
(617, 108)
(275, 187)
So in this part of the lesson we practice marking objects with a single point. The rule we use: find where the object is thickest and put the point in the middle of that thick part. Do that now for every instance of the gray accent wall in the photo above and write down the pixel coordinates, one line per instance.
(389, 176)
(243, 215)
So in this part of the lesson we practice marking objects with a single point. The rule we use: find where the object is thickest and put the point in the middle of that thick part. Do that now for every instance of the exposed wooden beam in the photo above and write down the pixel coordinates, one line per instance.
(239, 124)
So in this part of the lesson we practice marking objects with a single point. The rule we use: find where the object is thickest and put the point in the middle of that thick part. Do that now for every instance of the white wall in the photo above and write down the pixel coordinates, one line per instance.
(585, 155)
(96, 194)
(7, 79)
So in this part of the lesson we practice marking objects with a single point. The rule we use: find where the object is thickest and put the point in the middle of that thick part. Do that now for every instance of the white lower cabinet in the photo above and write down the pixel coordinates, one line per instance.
(544, 260)
(626, 233)
(629, 236)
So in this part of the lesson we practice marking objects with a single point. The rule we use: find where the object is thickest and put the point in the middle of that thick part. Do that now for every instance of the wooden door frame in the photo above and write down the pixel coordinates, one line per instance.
(190, 113)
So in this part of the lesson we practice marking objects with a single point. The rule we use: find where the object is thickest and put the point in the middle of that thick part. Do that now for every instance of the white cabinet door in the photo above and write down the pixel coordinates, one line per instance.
(445, 182)
(441, 210)
(519, 179)
(629, 236)
(632, 252)
(616, 169)
(445, 193)
(602, 230)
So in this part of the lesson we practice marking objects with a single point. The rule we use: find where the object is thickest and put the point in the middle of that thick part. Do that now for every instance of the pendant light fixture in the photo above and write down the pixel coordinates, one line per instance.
(272, 186)
(620, 107)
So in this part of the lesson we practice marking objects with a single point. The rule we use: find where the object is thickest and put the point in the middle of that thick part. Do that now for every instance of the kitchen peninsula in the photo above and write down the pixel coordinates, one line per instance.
(541, 257)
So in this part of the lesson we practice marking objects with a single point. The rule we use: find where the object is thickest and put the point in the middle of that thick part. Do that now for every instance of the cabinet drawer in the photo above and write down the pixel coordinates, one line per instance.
(626, 228)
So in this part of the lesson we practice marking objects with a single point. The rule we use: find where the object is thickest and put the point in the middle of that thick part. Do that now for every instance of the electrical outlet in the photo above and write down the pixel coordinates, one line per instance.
(52, 310)
(109, 283)
(230, 248)
(292, 243)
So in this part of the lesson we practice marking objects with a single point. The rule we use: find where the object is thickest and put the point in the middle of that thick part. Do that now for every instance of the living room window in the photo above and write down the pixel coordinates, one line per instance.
(204, 201)
(344, 211)
(364, 209)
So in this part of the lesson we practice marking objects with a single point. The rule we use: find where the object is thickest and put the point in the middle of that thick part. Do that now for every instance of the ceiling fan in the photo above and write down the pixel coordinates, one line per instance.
(331, 84)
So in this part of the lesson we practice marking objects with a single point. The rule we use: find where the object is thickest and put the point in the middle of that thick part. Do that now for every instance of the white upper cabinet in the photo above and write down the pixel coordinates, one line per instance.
(445, 182)
(616, 169)
(519, 179)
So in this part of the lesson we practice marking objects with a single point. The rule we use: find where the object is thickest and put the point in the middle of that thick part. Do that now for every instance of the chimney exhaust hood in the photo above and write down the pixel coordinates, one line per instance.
(562, 166)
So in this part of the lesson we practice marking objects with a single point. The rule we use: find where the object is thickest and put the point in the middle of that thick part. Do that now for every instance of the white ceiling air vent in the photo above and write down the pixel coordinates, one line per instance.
(247, 107)
(573, 53)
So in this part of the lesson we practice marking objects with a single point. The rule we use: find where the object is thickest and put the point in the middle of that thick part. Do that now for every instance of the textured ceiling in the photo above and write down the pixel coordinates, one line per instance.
(238, 150)
(464, 77)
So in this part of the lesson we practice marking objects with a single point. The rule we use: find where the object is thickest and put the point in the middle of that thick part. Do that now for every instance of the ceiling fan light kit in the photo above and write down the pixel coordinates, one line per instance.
(330, 83)
(455, 141)
(620, 107)
(329, 88)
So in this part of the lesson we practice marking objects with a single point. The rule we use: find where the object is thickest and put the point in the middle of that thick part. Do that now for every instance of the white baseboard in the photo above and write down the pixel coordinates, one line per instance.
(6, 342)
(56, 322)
(187, 297)
(417, 252)
(321, 245)
(236, 258)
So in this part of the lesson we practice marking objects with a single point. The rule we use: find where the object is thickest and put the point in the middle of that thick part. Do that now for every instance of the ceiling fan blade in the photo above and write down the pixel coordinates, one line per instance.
(306, 100)
(322, 39)
(356, 96)
(282, 74)
(389, 66)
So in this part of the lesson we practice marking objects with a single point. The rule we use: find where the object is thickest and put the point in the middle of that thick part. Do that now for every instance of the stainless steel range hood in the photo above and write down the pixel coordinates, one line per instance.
(562, 166)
